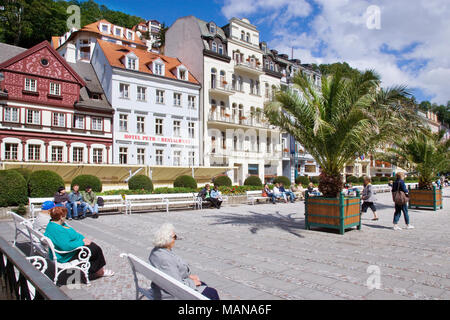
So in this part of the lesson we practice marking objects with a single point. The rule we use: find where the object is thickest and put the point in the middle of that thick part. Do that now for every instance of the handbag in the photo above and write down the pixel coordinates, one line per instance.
(399, 197)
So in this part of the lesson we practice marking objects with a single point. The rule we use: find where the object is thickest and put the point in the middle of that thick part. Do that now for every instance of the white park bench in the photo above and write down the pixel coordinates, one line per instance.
(43, 246)
(111, 202)
(145, 201)
(201, 202)
(20, 224)
(255, 196)
(174, 287)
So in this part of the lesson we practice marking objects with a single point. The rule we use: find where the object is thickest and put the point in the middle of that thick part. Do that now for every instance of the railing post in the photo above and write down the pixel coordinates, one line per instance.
(434, 198)
(409, 199)
(358, 194)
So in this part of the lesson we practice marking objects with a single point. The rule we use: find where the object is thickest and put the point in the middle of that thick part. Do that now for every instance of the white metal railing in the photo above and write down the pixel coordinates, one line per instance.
(249, 65)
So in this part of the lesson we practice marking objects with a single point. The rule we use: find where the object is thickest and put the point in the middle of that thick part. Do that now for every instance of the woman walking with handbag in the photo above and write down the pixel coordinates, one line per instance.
(400, 197)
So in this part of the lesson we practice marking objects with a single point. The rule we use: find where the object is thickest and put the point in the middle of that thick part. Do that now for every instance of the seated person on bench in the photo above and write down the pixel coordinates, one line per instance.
(163, 258)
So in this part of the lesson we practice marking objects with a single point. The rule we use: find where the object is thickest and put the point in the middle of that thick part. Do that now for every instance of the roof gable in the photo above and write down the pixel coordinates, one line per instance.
(43, 60)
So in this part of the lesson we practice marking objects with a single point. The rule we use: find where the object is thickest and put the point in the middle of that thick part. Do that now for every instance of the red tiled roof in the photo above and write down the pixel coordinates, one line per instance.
(115, 53)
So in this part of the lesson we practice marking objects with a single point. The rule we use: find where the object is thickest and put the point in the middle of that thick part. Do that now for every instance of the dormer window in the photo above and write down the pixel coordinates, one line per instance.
(130, 35)
(212, 28)
(105, 28)
(220, 49)
(182, 73)
(158, 67)
(214, 47)
(132, 61)
(118, 32)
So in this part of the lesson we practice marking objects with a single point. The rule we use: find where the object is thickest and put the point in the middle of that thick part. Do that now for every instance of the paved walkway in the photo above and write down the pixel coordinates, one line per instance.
(263, 252)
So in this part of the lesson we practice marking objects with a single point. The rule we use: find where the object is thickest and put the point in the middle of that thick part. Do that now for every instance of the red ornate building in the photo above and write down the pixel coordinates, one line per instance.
(49, 113)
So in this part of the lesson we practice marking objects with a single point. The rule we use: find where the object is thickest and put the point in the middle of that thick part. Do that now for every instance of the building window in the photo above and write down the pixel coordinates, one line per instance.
(124, 90)
(191, 130)
(212, 28)
(78, 154)
(159, 127)
(247, 38)
(97, 124)
(177, 99)
(160, 96)
(33, 117)
(214, 47)
(177, 128)
(30, 85)
(11, 151)
(192, 102)
(123, 155)
(59, 119)
(252, 86)
(55, 89)
(141, 93)
(118, 32)
(183, 75)
(140, 122)
(158, 69)
(11, 114)
(159, 157)
(177, 158)
(220, 49)
(97, 156)
(191, 158)
(132, 63)
(140, 156)
(34, 152)
(57, 154)
(78, 122)
(243, 35)
(123, 122)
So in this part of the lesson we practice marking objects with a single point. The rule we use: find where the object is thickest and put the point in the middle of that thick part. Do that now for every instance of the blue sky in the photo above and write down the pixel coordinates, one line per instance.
(410, 47)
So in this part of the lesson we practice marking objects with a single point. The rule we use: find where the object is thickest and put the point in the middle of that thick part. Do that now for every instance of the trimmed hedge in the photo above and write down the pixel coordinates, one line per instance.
(26, 173)
(384, 179)
(223, 181)
(303, 180)
(44, 183)
(284, 180)
(13, 188)
(87, 180)
(185, 182)
(315, 179)
(253, 181)
(140, 182)
(352, 179)
(375, 179)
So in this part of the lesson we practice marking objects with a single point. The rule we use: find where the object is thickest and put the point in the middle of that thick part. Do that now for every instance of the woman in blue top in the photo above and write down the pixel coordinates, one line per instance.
(65, 238)
(399, 185)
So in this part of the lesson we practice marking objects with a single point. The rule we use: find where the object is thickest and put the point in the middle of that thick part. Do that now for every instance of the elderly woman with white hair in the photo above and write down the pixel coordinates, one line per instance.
(163, 258)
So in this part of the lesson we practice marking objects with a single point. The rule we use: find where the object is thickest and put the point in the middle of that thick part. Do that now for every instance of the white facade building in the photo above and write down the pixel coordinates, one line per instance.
(156, 103)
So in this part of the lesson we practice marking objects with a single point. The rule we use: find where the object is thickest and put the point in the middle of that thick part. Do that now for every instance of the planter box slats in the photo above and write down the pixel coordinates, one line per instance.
(335, 213)
(425, 198)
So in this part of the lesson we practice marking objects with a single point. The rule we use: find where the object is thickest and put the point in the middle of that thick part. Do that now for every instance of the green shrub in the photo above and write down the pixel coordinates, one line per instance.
(88, 180)
(13, 188)
(223, 181)
(352, 179)
(375, 179)
(26, 173)
(284, 180)
(361, 179)
(303, 180)
(253, 181)
(21, 210)
(140, 182)
(44, 183)
(384, 179)
(165, 190)
(185, 182)
(315, 179)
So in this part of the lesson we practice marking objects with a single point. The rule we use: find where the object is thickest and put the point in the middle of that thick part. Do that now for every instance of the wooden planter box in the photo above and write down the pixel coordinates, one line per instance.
(425, 198)
(334, 213)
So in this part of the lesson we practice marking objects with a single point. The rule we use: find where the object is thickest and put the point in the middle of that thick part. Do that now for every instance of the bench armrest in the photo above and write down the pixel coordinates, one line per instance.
(83, 255)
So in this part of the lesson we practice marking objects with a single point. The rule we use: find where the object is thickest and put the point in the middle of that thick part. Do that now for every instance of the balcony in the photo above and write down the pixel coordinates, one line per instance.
(238, 121)
(248, 67)
(221, 88)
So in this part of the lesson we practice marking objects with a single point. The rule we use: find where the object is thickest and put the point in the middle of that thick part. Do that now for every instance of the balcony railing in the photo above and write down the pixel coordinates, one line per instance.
(244, 121)
(222, 87)
(249, 66)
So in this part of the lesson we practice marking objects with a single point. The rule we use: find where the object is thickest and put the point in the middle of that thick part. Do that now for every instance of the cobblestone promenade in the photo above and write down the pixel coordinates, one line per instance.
(263, 252)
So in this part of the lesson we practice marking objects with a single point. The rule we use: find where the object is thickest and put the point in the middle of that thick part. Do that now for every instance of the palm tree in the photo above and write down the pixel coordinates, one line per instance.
(425, 153)
(349, 117)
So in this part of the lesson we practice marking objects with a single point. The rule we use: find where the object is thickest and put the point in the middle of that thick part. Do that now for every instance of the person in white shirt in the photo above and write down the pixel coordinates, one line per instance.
(278, 194)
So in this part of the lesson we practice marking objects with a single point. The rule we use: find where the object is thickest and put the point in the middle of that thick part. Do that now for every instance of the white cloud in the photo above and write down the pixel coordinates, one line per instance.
(412, 46)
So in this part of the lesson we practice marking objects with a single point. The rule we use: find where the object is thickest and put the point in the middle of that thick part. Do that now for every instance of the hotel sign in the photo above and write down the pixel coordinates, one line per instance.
(154, 139)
